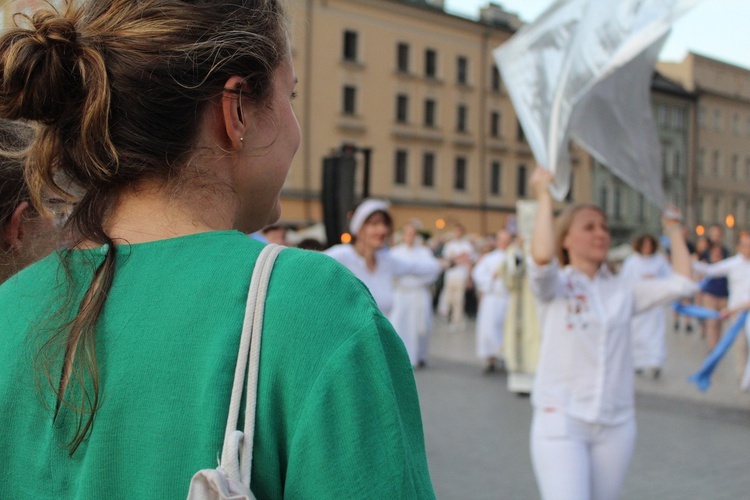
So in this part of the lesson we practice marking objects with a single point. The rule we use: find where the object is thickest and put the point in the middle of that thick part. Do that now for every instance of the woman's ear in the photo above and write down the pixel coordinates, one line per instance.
(13, 232)
(232, 114)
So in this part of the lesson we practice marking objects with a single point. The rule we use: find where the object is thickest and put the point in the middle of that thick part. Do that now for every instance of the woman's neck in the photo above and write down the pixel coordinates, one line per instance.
(367, 252)
(149, 213)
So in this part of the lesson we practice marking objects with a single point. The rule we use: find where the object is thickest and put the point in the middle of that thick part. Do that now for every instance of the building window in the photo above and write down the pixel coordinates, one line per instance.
(459, 179)
(717, 119)
(350, 45)
(618, 203)
(702, 161)
(350, 100)
(461, 113)
(429, 112)
(521, 186)
(496, 172)
(735, 167)
(569, 196)
(430, 63)
(604, 198)
(736, 124)
(716, 209)
(402, 57)
(496, 80)
(700, 209)
(715, 164)
(662, 114)
(402, 108)
(520, 136)
(495, 124)
(677, 161)
(747, 127)
(747, 168)
(641, 208)
(678, 118)
(428, 170)
(462, 70)
(399, 171)
(702, 117)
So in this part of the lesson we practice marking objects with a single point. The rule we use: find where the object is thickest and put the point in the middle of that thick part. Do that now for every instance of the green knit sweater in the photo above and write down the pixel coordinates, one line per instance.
(338, 415)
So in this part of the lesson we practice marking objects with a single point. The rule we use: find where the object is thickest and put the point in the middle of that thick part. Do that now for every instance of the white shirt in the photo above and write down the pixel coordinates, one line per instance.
(737, 271)
(585, 363)
(387, 267)
(488, 273)
(637, 266)
(454, 249)
(415, 252)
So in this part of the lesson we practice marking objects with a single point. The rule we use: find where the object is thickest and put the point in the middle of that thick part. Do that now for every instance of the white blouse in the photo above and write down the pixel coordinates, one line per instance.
(488, 273)
(387, 268)
(737, 271)
(585, 364)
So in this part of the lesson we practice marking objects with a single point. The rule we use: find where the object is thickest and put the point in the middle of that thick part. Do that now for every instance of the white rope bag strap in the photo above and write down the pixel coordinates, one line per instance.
(237, 452)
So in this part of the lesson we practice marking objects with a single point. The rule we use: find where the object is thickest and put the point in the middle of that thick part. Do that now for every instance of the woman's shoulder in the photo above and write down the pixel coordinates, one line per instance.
(317, 278)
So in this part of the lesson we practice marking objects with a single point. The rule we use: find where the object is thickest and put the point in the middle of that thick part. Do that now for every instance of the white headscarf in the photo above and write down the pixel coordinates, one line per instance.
(364, 210)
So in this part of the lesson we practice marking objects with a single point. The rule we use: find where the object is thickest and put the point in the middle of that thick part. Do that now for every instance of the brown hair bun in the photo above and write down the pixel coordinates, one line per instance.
(42, 52)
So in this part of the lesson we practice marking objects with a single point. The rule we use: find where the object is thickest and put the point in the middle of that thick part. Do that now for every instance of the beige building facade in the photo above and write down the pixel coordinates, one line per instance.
(721, 187)
(419, 88)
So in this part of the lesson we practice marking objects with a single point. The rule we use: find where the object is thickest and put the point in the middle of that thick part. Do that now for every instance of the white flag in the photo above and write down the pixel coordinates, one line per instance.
(583, 70)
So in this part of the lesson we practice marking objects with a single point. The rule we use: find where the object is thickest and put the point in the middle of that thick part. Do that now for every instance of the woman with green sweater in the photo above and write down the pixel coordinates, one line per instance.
(170, 126)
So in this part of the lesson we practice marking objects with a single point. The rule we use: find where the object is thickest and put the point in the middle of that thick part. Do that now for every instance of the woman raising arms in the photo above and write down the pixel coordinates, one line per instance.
(583, 428)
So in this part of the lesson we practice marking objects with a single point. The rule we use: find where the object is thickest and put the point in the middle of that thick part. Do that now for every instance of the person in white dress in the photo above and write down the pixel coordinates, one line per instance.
(458, 257)
(488, 276)
(412, 315)
(737, 271)
(583, 429)
(369, 258)
(649, 327)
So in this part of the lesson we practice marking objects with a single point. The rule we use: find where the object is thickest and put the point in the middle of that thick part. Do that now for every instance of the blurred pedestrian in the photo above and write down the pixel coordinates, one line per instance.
(649, 327)
(369, 257)
(489, 277)
(412, 314)
(736, 270)
(458, 258)
(714, 289)
(275, 233)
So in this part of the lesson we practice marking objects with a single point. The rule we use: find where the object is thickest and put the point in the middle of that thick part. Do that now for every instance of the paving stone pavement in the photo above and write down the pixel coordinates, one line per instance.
(690, 445)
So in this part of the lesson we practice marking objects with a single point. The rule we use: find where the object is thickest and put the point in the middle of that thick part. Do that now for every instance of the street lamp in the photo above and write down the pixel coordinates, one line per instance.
(700, 230)
(730, 224)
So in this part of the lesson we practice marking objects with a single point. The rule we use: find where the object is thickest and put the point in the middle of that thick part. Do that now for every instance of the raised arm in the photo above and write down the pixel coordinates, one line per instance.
(681, 263)
(543, 236)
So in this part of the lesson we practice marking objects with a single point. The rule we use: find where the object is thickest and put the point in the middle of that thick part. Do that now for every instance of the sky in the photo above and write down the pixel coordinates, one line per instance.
(714, 28)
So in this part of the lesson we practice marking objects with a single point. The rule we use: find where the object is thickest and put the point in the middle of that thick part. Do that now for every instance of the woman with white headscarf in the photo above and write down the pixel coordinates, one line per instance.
(369, 258)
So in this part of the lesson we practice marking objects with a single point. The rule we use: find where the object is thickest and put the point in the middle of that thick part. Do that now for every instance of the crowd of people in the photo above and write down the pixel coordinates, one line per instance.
(141, 143)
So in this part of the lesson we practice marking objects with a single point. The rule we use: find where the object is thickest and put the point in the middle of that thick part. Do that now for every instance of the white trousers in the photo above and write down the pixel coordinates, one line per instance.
(575, 460)
(452, 300)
